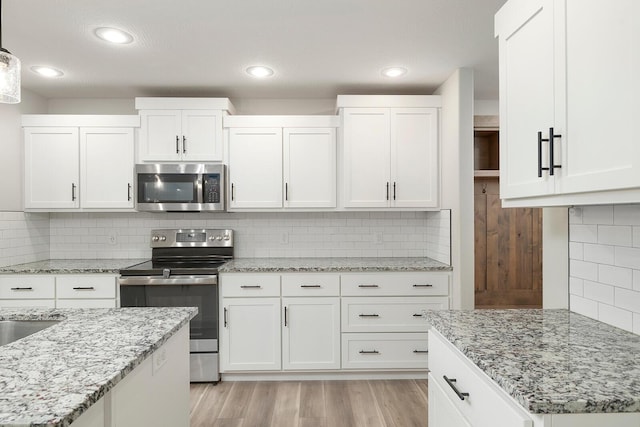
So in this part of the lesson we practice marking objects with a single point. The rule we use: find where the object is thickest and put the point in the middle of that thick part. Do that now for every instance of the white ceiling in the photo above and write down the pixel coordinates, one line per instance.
(318, 48)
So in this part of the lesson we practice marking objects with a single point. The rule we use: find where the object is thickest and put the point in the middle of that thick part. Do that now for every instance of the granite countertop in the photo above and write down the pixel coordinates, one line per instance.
(71, 266)
(51, 377)
(320, 265)
(550, 361)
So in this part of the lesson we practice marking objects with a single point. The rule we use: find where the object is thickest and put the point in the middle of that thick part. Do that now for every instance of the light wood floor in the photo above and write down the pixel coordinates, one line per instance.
(380, 403)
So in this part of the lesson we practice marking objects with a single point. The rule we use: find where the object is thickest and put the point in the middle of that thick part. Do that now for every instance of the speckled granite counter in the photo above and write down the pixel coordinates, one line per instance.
(70, 266)
(264, 265)
(51, 377)
(550, 361)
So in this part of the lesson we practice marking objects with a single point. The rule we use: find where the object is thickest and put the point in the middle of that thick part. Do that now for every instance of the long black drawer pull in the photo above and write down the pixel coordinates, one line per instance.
(451, 382)
(369, 352)
(310, 286)
(369, 315)
(285, 316)
(250, 287)
(552, 164)
(225, 317)
(428, 285)
(84, 288)
(422, 352)
(417, 315)
(368, 286)
(22, 289)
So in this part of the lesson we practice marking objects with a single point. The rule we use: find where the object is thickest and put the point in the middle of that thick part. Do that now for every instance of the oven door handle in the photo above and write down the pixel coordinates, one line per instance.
(174, 280)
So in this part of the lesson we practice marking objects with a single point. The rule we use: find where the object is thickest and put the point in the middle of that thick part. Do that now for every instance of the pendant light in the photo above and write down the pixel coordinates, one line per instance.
(9, 73)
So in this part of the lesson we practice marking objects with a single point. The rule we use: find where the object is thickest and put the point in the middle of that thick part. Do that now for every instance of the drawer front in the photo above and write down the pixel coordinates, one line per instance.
(85, 286)
(399, 284)
(487, 404)
(392, 314)
(310, 284)
(27, 287)
(384, 351)
(250, 285)
(86, 303)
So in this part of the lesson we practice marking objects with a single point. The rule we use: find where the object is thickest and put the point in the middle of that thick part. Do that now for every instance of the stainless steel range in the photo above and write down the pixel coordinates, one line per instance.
(183, 271)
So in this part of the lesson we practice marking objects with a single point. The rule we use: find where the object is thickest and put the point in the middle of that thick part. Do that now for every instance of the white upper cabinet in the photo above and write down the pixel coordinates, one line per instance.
(86, 166)
(181, 129)
(282, 162)
(568, 100)
(390, 155)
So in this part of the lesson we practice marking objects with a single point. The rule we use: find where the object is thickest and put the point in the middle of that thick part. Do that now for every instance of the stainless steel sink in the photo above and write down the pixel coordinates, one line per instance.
(13, 330)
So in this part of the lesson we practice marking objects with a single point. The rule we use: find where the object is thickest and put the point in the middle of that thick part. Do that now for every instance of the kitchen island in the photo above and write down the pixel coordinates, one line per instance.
(51, 378)
(555, 366)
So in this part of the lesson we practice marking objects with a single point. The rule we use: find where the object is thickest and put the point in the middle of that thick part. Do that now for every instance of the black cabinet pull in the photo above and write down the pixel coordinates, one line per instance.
(369, 315)
(84, 288)
(417, 315)
(552, 164)
(422, 352)
(394, 191)
(184, 144)
(285, 316)
(369, 352)
(225, 317)
(387, 190)
(286, 191)
(29, 288)
(451, 382)
(250, 287)
(232, 192)
(540, 141)
(73, 192)
(129, 192)
(177, 144)
(310, 286)
(427, 285)
(368, 286)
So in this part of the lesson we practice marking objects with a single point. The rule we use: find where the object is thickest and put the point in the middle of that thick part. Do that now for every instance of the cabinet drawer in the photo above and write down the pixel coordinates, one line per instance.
(27, 287)
(384, 351)
(399, 284)
(85, 286)
(310, 284)
(28, 303)
(487, 404)
(250, 285)
(392, 314)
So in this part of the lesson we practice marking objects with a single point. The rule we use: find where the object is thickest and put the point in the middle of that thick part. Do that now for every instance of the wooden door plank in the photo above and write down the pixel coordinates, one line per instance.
(480, 235)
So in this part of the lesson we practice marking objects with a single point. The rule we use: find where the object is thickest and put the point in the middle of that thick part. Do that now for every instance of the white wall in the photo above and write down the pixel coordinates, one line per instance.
(486, 107)
(91, 106)
(11, 172)
(604, 251)
(457, 180)
(264, 235)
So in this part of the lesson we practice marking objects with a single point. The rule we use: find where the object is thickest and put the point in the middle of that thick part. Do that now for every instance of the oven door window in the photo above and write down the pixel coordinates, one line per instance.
(203, 326)
(168, 188)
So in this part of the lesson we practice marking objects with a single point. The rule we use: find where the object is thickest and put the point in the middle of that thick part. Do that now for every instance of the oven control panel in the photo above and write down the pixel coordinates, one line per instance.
(208, 237)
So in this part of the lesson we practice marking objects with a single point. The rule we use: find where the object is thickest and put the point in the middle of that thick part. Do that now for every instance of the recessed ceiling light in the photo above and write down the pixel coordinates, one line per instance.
(259, 71)
(47, 71)
(394, 72)
(114, 35)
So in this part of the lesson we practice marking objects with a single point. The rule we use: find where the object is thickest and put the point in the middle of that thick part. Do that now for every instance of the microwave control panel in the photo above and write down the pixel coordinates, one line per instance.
(211, 188)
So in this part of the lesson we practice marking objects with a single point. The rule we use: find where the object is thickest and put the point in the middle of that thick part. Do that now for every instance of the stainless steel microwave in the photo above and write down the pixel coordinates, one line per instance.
(180, 187)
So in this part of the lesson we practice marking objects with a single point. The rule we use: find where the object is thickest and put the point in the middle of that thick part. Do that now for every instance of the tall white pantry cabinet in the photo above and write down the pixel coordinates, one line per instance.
(569, 101)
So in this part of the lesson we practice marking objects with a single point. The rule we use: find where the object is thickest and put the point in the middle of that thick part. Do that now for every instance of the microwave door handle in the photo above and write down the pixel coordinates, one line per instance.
(200, 189)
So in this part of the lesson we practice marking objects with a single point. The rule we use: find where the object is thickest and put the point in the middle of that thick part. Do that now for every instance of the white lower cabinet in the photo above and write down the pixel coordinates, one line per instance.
(442, 410)
(155, 393)
(311, 333)
(27, 291)
(250, 338)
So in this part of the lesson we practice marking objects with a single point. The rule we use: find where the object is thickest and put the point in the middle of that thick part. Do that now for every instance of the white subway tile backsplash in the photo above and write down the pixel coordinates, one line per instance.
(599, 292)
(602, 254)
(613, 295)
(24, 237)
(615, 316)
(617, 276)
(614, 235)
(584, 233)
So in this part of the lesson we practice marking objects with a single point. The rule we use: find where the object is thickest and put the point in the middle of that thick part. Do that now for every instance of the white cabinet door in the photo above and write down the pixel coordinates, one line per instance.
(525, 30)
(442, 411)
(250, 338)
(160, 135)
(201, 135)
(599, 143)
(255, 167)
(107, 163)
(414, 157)
(311, 333)
(51, 168)
(310, 168)
(366, 136)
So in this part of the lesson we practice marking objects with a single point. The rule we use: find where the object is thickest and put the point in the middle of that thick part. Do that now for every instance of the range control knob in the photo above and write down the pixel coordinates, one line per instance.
(219, 238)
(226, 237)
(155, 238)
(163, 238)
(212, 238)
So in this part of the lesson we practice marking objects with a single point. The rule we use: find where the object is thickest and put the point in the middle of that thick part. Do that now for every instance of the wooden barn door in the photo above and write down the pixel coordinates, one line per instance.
(508, 251)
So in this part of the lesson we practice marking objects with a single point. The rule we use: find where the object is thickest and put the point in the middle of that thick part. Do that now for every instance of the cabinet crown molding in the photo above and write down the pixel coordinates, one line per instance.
(80, 120)
(388, 101)
(281, 121)
(168, 103)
